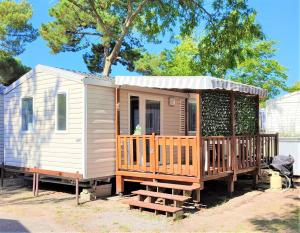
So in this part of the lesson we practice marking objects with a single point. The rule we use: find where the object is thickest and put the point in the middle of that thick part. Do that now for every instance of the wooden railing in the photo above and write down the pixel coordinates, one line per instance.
(268, 147)
(246, 152)
(158, 154)
(216, 155)
(178, 155)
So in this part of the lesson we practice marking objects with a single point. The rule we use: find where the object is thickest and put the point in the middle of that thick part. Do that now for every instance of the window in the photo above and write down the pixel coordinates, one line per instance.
(27, 114)
(191, 115)
(134, 113)
(61, 112)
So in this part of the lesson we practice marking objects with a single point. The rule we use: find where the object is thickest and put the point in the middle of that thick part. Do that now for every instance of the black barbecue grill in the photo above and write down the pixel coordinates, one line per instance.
(284, 165)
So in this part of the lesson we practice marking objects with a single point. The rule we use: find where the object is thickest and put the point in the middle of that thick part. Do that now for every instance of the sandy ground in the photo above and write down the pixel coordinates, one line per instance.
(248, 210)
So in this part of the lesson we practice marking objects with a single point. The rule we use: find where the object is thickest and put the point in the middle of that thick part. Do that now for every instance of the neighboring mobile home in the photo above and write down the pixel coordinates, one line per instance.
(283, 116)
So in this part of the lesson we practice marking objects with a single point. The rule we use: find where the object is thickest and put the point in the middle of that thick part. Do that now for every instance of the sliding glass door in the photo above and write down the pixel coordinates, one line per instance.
(152, 117)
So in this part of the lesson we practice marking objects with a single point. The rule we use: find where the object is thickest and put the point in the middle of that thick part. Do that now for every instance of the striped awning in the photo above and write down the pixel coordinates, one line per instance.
(188, 82)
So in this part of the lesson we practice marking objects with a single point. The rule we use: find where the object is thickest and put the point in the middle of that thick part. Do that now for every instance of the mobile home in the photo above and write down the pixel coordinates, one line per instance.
(283, 116)
(137, 128)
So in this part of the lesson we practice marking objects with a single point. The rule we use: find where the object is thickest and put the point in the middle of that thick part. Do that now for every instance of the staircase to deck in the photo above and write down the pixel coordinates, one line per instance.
(161, 197)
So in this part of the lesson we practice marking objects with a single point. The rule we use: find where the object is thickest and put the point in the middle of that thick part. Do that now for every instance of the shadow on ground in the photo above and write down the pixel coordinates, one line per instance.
(287, 223)
(10, 225)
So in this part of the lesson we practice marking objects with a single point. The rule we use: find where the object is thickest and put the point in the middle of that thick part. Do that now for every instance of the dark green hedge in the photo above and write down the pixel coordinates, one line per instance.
(245, 114)
(215, 113)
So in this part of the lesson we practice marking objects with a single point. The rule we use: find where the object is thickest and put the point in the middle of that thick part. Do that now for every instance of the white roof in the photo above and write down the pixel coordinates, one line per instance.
(188, 82)
(1, 88)
(163, 82)
(77, 76)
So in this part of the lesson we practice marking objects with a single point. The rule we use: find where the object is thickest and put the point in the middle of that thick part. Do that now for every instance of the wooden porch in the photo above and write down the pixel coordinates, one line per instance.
(176, 158)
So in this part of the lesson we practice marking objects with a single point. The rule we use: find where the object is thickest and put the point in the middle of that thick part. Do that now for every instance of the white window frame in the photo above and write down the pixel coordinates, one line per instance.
(21, 111)
(67, 112)
(142, 109)
(190, 100)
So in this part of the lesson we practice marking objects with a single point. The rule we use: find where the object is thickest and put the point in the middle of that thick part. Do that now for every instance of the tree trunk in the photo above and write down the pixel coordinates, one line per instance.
(107, 67)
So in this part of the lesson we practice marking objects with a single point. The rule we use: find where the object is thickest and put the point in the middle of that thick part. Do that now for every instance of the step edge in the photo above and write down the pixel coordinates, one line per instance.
(136, 203)
(174, 195)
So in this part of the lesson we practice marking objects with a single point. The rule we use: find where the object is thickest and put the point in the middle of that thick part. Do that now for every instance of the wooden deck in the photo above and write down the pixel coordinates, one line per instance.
(179, 158)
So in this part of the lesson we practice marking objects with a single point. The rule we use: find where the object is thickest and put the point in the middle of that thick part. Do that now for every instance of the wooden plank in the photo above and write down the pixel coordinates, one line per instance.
(144, 168)
(201, 168)
(178, 178)
(247, 152)
(218, 155)
(161, 195)
(179, 155)
(194, 157)
(223, 155)
(153, 153)
(138, 155)
(44, 172)
(172, 186)
(208, 157)
(164, 155)
(171, 147)
(187, 157)
(119, 160)
(125, 153)
(131, 166)
(147, 205)
(228, 153)
(214, 156)
(251, 152)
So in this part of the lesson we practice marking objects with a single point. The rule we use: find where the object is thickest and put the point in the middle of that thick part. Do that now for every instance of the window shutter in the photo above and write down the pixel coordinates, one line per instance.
(182, 116)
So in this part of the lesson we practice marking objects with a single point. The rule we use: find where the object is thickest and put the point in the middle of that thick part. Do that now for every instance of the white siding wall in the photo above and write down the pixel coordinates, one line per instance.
(44, 147)
(283, 115)
(1, 128)
(170, 114)
(100, 131)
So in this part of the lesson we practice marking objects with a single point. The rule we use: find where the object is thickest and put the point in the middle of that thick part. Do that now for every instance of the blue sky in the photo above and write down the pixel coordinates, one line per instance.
(280, 21)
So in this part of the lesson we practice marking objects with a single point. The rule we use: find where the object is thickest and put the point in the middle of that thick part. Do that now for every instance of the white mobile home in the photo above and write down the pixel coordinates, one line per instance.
(55, 121)
(61, 122)
(283, 116)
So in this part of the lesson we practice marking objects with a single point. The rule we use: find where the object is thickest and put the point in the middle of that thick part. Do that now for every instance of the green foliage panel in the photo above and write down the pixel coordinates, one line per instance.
(245, 114)
(216, 118)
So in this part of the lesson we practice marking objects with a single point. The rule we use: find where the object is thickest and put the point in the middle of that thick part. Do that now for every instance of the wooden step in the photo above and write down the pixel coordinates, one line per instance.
(161, 195)
(152, 206)
(172, 186)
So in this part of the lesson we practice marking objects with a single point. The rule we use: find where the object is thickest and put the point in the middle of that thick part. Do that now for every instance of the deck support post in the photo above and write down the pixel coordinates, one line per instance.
(2, 175)
(77, 190)
(33, 183)
(119, 184)
(255, 180)
(230, 184)
(37, 184)
(197, 196)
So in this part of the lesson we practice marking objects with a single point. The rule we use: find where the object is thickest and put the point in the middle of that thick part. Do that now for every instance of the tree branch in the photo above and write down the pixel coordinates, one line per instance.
(211, 18)
(99, 19)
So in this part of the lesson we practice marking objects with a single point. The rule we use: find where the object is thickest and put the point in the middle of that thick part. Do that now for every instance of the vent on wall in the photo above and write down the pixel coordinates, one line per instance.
(182, 116)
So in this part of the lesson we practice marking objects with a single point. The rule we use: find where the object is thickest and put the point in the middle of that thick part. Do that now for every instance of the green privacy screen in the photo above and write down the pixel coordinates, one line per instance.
(216, 114)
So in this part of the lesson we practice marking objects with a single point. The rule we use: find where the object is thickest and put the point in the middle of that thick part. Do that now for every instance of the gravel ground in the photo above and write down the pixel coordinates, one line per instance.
(259, 210)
